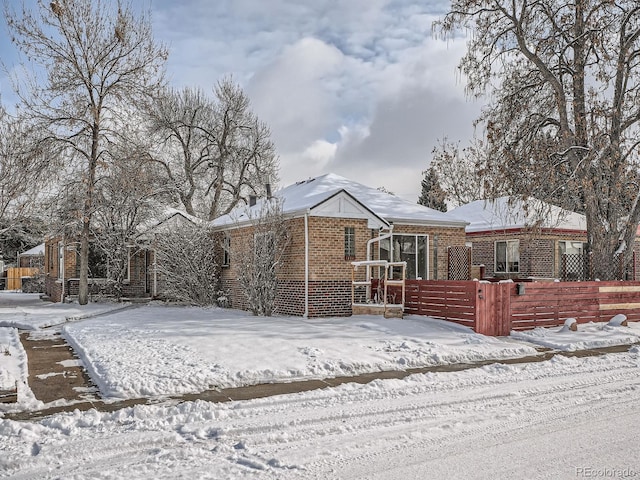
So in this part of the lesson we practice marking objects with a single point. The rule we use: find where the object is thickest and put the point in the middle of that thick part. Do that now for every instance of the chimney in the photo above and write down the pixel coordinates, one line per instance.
(252, 200)
(267, 187)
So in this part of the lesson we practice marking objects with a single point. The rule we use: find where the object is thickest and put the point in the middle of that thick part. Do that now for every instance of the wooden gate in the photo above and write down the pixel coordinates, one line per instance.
(14, 276)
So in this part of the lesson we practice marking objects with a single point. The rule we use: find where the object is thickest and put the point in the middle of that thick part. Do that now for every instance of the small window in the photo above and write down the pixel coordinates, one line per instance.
(226, 251)
(507, 256)
(61, 270)
(349, 243)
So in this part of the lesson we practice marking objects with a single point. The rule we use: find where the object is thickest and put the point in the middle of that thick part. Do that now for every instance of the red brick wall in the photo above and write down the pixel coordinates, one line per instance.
(52, 270)
(539, 253)
(330, 273)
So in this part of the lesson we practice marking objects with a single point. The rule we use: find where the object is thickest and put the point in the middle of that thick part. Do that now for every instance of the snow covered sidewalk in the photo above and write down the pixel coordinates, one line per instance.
(27, 312)
(157, 350)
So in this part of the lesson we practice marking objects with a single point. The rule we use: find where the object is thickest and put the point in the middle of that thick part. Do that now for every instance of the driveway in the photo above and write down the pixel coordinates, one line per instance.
(11, 298)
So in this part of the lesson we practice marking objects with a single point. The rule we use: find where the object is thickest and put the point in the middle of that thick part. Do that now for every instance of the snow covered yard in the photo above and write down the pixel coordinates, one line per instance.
(562, 418)
(159, 350)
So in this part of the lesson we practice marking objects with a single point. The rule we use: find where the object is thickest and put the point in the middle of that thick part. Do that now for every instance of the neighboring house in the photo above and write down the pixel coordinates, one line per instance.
(32, 258)
(333, 221)
(142, 280)
(511, 241)
(26, 275)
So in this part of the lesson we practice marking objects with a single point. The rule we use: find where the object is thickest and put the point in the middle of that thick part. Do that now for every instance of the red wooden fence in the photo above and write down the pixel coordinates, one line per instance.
(498, 308)
(450, 300)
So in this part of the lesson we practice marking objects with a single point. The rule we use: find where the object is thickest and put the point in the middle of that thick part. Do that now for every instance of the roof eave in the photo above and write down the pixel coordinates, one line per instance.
(428, 223)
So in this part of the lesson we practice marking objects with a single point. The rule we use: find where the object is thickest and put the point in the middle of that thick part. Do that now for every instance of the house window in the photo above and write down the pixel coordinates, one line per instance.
(98, 264)
(51, 254)
(507, 256)
(572, 258)
(226, 250)
(413, 249)
(572, 248)
(349, 243)
(61, 270)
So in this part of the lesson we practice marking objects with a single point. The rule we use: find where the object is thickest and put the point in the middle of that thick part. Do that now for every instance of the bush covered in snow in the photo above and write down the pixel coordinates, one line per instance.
(188, 266)
(259, 257)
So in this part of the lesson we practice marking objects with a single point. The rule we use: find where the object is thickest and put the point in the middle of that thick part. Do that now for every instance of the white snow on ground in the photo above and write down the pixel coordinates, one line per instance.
(160, 350)
(11, 359)
(588, 335)
(562, 418)
(27, 312)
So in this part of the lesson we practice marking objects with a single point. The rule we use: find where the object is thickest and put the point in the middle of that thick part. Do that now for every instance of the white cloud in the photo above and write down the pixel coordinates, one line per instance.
(359, 87)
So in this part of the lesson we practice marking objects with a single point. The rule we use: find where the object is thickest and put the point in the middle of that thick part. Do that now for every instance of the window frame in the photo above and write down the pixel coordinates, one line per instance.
(419, 240)
(60, 273)
(226, 250)
(349, 243)
(508, 262)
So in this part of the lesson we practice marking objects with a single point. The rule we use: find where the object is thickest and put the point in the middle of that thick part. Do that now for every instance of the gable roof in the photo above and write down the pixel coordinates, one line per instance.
(167, 221)
(315, 193)
(37, 250)
(503, 214)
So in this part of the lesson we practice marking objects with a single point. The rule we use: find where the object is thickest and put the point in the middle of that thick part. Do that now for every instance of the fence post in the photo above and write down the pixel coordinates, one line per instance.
(504, 313)
(485, 314)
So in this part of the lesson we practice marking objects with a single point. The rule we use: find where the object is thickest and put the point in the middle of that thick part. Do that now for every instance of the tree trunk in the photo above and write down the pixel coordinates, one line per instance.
(83, 288)
(603, 243)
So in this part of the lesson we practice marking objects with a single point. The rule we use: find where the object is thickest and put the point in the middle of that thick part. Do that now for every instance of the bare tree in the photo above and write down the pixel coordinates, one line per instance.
(25, 168)
(99, 59)
(188, 265)
(259, 255)
(125, 199)
(463, 172)
(563, 120)
(214, 152)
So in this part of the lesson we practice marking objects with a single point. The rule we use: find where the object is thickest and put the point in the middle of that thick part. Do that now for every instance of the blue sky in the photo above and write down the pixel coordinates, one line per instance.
(355, 87)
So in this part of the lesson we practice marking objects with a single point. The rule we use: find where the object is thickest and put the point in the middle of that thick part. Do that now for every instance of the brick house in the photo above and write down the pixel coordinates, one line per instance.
(510, 241)
(32, 258)
(142, 280)
(333, 221)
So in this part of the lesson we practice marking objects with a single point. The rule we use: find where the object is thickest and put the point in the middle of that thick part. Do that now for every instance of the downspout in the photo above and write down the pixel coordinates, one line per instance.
(306, 264)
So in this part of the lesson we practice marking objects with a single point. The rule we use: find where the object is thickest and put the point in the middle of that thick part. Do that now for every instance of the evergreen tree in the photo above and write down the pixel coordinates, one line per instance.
(432, 196)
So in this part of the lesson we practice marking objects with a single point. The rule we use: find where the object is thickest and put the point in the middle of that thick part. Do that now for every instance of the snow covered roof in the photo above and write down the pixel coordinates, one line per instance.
(310, 194)
(501, 214)
(166, 220)
(37, 250)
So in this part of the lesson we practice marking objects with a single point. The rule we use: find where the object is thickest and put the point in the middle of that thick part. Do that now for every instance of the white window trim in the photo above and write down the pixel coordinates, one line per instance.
(226, 250)
(60, 253)
(506, 263)
(416, 235)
